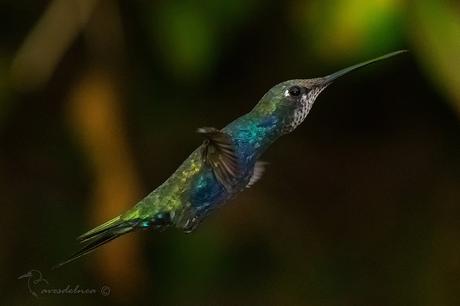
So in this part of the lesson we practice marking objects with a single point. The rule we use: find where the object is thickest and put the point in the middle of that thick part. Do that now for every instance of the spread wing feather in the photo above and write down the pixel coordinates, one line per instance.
(219, 153)
(259, 170)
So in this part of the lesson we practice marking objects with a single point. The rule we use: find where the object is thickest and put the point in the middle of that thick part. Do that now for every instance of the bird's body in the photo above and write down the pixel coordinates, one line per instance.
(193, 190)
(220, 168)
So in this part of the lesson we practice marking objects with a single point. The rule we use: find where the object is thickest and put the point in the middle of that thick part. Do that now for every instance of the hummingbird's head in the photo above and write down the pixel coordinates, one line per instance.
(290, 101)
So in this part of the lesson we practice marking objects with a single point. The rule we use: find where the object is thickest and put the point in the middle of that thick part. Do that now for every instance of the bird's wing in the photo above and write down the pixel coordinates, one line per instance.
(259, 170)
(187, 219)
(219, 153)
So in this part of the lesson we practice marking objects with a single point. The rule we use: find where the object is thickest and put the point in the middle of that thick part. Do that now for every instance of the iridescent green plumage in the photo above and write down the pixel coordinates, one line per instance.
(223, 166)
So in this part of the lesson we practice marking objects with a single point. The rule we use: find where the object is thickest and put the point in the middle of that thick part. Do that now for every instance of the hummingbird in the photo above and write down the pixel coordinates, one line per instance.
(225, 164)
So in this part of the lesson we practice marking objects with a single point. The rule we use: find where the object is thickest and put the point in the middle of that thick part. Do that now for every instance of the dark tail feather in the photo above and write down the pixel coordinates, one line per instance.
(100, 236)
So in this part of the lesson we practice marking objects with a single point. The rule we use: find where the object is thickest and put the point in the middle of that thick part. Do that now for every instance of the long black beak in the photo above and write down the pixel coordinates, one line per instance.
(329, 78)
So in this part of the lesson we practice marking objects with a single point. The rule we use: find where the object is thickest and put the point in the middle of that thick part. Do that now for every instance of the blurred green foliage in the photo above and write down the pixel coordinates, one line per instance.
(358, 207)
(436, 26)
(347, 29)
(192, 36)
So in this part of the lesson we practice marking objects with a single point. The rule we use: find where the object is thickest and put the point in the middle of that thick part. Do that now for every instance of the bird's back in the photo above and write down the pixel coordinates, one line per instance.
(188, 195)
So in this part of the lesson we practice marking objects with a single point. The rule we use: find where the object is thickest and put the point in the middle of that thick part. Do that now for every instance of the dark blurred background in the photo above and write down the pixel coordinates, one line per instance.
(99, 103)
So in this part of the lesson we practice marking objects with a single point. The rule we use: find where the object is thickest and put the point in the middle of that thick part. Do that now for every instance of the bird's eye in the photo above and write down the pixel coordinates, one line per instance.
(294, 91)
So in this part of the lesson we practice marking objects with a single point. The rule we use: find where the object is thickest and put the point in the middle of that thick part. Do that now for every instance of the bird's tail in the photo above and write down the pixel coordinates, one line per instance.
(100, 235)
